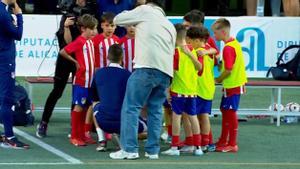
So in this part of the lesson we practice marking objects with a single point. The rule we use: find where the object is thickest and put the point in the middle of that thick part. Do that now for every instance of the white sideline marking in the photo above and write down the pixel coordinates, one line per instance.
(46, 146)
(9, 164)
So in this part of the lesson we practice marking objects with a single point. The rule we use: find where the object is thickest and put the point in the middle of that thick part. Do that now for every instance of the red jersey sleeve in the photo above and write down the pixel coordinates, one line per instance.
(72, 47)
(229, 56)
(200, 59)
(176, 60)
(213, 44)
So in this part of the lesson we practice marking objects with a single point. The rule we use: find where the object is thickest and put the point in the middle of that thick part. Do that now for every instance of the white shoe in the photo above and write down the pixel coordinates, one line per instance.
(198, 152)
(4, 145)
(152, 157)
(187, 149)
(164, 136)
(121, 155)
(172, 152)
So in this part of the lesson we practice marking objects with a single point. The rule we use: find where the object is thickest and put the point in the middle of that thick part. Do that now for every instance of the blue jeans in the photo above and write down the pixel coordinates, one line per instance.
(144, 87)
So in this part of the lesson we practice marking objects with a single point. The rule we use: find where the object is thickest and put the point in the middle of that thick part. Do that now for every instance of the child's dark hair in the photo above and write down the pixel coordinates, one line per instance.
(108, 17)
(195, 17)
(87, 21)
(198, 33)
(115, 53)
(181, 31)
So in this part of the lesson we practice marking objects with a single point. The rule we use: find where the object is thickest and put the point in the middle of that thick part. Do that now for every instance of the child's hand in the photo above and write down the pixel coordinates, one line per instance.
(202, 52)
(217, 80)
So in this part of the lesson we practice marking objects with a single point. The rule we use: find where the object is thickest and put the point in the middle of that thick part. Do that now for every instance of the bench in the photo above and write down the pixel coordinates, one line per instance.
(30, 81)
(275, 86)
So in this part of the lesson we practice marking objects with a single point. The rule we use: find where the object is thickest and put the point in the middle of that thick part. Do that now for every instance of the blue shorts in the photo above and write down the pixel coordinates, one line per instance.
(81, 96)
(230, 103)
(184, 105)
(203, 106)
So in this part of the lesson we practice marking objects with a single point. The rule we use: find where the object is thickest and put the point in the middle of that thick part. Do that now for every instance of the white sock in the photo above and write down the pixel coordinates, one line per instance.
(100, 134)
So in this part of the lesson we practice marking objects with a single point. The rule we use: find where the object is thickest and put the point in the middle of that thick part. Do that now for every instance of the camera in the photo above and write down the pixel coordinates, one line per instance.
(70, 8)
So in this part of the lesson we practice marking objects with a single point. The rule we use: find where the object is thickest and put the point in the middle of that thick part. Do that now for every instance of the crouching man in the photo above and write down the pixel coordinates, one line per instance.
(108, 88)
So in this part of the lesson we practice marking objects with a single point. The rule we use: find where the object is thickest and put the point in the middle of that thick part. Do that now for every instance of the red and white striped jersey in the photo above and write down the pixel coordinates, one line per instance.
(102, 45)
(128, 52)
(84, 52)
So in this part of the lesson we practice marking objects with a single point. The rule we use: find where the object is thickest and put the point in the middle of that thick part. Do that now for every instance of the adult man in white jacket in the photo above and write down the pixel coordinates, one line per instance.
(153, 64)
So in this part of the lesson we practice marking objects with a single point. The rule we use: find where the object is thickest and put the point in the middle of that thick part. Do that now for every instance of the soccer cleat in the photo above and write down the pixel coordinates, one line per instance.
(88, 139)
(230, 149)
(220, 146)
(77, 142)
(2, 141)
(187, 149)
(173, 151)
(152, 156)
(122, 155)
(204, 149)
(211, 148)
(101, 147)
(42, 130)
(198, 152)
(14, 143)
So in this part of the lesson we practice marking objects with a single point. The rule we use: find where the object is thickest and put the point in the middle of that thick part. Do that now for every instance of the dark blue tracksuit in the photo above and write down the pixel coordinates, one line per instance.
(9, 32)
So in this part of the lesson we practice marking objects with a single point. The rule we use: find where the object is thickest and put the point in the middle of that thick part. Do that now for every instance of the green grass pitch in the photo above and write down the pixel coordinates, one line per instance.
(262, 145)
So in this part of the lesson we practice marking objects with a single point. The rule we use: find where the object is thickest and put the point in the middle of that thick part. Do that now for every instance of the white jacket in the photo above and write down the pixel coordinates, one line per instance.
(155, 37)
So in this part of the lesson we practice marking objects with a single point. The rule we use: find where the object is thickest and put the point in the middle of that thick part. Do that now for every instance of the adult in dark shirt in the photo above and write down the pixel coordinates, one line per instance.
(9, 32)
(68, 31)
(108, 88)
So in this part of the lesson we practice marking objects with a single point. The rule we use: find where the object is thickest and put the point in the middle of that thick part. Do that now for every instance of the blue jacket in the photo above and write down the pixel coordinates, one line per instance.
(8, 34)
(110, 6)
(109, 87)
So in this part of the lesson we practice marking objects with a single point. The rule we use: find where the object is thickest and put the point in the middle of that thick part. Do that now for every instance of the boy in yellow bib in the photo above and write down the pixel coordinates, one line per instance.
(183, 92)
(197, 37)
(233, 77)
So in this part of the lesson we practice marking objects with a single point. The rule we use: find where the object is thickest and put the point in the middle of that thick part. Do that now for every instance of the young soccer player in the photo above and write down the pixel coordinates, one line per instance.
(103, 41)
(127, 43)
(196, 18)
(183, 92)
(197, 37)
(108, 89)
(233, 77)
(83, 49)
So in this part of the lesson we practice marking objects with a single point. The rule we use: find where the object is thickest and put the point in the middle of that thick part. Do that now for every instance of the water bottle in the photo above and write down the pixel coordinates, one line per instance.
(260, 9)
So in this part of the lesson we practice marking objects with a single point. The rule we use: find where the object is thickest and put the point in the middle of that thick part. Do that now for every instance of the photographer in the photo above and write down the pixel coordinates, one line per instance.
(68, 31)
